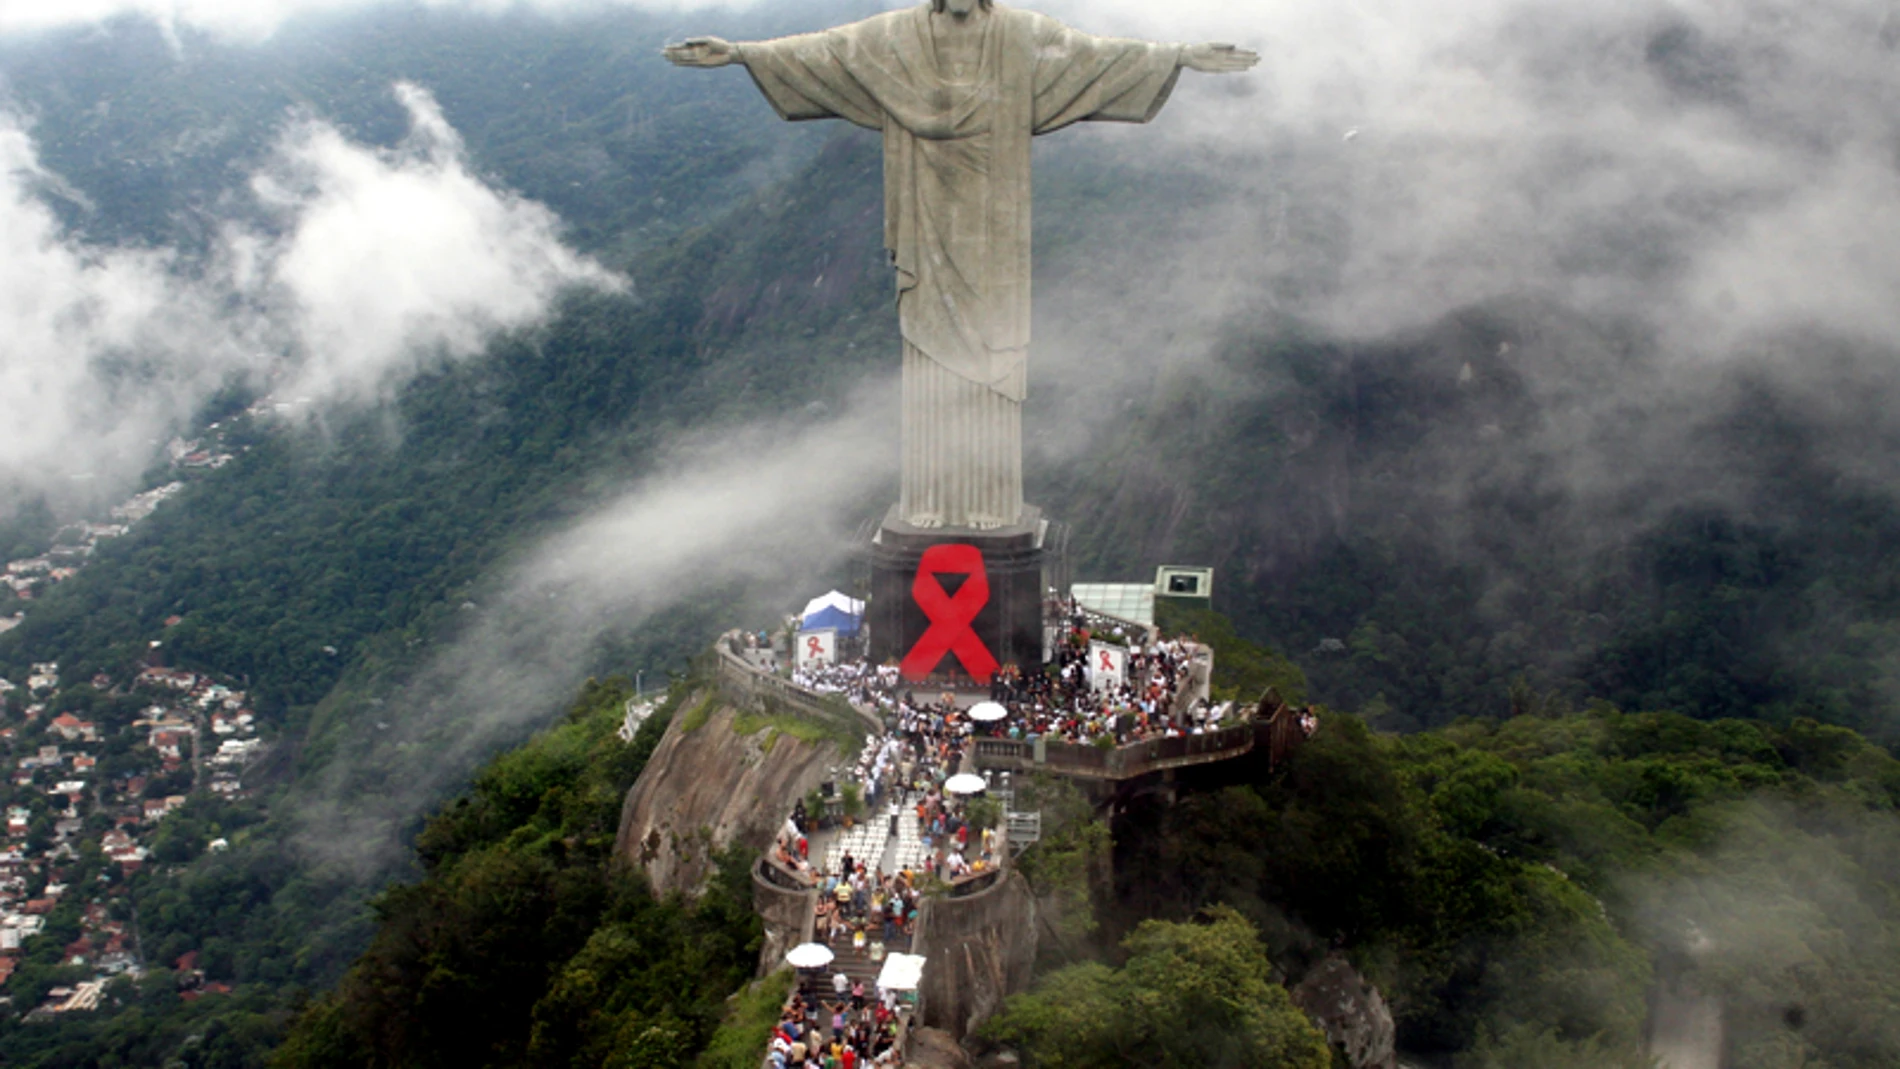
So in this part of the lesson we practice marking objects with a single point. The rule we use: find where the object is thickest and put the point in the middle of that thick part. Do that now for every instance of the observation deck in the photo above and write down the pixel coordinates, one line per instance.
(1090, 762)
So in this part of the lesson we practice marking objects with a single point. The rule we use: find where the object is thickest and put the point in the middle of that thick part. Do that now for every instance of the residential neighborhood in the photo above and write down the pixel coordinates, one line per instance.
(98, 770)
(87, 803)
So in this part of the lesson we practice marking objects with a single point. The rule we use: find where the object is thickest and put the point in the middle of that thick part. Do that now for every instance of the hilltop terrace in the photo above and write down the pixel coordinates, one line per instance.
(924, 812)
(1148, 688)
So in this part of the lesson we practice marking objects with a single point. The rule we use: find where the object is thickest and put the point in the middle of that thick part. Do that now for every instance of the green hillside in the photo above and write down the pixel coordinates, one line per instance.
(1406, 519)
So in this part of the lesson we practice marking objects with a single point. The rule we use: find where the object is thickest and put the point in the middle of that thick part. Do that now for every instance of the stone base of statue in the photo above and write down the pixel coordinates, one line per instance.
(953, 605)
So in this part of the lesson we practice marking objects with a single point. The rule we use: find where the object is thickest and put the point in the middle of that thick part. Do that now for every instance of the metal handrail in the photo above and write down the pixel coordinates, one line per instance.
(1122, 762)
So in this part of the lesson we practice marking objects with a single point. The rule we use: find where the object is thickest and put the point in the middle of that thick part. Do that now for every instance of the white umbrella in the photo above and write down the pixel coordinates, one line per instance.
(809, 956)
(964, 783)
(988, 711)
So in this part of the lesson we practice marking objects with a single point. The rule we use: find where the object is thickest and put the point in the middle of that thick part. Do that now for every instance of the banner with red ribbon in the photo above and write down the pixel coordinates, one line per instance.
(816, 648)
(950, 615)
(1108, 665)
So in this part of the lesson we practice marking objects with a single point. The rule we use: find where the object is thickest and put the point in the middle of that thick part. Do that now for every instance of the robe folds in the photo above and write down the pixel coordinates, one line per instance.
(957, 212)
(956, 156)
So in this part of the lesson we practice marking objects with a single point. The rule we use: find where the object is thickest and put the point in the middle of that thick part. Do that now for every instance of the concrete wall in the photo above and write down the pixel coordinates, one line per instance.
(981, 949)
(708, 788)
(761, 692)
(788, 915)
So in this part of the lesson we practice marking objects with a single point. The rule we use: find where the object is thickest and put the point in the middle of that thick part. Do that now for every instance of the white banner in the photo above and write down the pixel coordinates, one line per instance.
(816, 648)
(1108, 665)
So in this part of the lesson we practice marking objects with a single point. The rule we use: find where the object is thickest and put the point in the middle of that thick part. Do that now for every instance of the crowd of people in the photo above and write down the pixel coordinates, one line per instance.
(868, 910)
(1151, 697)
(1068, 702)
(862, 906)
(846, 1031)
(902, 771)
(860, 682)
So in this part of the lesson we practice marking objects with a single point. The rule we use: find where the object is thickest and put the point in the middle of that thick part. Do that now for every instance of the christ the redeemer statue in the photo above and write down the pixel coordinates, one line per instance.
(958, 88)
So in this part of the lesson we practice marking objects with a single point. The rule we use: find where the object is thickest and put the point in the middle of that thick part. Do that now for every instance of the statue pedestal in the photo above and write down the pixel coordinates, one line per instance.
(951, 605)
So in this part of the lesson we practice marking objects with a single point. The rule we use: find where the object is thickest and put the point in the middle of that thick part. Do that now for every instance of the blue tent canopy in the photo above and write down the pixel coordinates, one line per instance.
(834, 610)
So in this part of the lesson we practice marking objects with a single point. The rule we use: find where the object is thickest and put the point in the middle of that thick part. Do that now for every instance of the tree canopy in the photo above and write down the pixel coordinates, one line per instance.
(1196, 995)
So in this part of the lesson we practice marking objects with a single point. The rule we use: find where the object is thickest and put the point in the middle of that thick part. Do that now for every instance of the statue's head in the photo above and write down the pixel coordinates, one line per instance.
(959, 8)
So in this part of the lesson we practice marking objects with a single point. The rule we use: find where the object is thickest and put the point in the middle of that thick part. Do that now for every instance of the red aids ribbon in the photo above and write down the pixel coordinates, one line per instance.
(813, 647)
(1108, 663)
(950, 616)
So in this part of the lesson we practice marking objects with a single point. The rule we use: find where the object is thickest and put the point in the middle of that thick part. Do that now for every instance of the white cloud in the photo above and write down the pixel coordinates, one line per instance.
(1614, 155)
(1673, 161)
(258, 19)
(392, 258)
(1828, 257)
(67, 311)
(384, 262)
(771, 505)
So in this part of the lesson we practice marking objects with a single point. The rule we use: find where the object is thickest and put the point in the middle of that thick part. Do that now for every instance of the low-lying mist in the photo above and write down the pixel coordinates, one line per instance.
(733, 525)
(376, 265)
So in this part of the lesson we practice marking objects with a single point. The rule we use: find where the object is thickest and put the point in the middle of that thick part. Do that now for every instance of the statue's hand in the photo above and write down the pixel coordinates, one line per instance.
(1219, 59)
(701, 52)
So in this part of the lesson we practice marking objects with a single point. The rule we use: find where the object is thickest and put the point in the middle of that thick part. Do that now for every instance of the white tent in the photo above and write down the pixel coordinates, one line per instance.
(834, 600)
(902, 972)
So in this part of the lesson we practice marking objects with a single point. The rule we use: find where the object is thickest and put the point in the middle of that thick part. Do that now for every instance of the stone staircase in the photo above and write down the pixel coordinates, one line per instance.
(857, 965)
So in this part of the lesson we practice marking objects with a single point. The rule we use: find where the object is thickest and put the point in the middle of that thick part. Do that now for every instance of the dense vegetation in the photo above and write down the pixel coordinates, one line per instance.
(1403, 518)
(527, 943)
(1518, 885)
(1517, 888)
(1189, 995)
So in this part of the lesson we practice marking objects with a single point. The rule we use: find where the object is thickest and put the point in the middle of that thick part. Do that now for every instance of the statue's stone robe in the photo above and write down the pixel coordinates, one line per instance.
(957, 212)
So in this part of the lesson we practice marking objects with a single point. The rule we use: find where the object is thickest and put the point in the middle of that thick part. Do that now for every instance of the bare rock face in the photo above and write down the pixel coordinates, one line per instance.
(933, 1048)
(709, 787)
(981, 948)
(1351, 1012)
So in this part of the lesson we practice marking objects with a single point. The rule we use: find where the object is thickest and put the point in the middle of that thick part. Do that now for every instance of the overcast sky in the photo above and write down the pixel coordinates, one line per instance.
(256, 19)
(1720, 170)
(382, 262)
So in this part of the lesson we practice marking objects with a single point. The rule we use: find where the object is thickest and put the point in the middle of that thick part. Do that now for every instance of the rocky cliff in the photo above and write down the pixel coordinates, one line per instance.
(719, 776)
(981, 948)
(1351, 1012)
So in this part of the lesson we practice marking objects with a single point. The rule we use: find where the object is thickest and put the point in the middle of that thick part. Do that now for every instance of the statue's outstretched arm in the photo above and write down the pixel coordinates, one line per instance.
(1215, 59)
(703, 52)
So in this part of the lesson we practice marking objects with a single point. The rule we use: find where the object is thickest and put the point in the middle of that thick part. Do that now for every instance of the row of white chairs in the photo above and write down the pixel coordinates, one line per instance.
(911, 853)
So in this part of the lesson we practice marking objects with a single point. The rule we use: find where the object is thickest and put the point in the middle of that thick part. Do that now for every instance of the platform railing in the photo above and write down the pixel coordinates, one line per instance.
(765, 692)
(781, 877)
(1087, 761)
(977, 883)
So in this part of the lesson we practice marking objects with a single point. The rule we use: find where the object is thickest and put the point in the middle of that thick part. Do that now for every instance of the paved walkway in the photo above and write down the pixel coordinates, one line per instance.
(874, 842)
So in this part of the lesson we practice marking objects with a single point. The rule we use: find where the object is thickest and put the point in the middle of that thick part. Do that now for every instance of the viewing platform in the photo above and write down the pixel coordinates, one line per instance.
(1091, 762)
(890, 864)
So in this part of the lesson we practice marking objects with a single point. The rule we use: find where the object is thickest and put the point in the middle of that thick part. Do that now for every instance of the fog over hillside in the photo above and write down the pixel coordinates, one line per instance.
(1653, 197)
(1501, 355)
(1718, 173)
(379, 263)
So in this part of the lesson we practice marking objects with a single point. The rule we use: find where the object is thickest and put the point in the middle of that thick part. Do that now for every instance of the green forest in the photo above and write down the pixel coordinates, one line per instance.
(1584, 740)
(1516, 887)
(527, 942)
(1520, 884)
